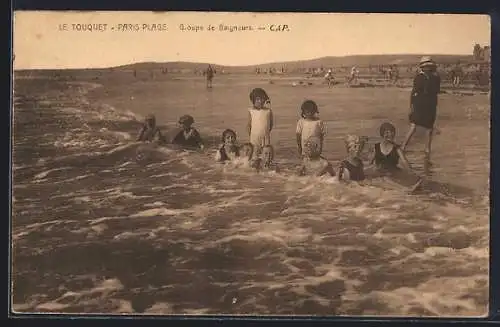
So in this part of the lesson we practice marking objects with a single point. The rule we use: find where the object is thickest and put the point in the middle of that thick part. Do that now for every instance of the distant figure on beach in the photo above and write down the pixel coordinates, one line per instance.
(353, 77)
(260, 119)
(228, 151)
(210, 72)
(387, 156)
(149, 131)
(457, 74)
(352, 167)
(313, 164)
(329, 78)
(309, 125)
(423, 102)
(188, 137)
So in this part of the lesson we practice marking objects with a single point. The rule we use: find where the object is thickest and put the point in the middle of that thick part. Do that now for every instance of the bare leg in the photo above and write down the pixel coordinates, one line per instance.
(428, 145)
(408, 136)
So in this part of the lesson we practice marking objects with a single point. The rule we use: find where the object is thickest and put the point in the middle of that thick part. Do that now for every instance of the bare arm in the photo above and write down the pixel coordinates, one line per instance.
(141, 134)
(271, 120)
(299, 143)
(327, 169)
(404, 161)
(249, 124)
(218, 156)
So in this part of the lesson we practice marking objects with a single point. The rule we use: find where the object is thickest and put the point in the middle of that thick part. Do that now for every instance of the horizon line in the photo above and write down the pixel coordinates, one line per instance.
(248, 65)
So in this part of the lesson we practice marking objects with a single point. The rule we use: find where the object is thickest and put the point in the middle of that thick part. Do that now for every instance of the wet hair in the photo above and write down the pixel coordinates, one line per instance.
(259, 93)
(186, 120)
(387, 126)
(308, 106)
(226, 132)
(250, 145)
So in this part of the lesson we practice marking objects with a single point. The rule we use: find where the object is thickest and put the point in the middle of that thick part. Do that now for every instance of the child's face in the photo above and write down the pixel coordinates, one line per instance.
(150, 122)
(355, 149)
(309, 114)
(186, 126)
(388, 135)
(229, 138)
(267, 155)
(258, 103)
(246, 151)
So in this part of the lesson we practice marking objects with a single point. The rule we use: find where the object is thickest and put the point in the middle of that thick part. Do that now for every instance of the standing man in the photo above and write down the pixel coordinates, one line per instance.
(423, 102)
(210, 76)
(457, 74)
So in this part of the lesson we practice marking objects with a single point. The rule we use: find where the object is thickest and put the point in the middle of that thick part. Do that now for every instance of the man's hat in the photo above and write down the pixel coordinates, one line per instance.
(426, 61)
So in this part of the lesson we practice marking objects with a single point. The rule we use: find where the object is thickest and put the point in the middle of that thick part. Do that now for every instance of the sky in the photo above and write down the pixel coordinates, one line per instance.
(40, 39)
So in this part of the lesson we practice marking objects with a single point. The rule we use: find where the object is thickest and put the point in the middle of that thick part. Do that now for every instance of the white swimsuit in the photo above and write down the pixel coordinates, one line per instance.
(260, 130)
(310, 128)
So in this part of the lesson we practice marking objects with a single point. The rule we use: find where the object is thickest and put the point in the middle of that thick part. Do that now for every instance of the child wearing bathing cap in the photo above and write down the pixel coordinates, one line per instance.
(188, 137)
(260, 119)
(352, 167)
(309, 125)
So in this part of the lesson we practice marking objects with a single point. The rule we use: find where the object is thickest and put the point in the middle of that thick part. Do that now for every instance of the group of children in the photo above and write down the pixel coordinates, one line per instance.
(258, 153)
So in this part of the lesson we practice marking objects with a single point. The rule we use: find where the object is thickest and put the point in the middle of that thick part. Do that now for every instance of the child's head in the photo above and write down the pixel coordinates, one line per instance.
(387, 131)
(259, 98)
(308, 109)
(150, 120)
(354, 144)
(267, 154)
(186, 121)
(312, 147)
(246, 150)
(229, 136)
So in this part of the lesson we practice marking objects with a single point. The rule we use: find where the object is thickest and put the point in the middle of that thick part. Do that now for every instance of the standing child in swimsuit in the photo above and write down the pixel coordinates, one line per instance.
(228, 150)
(260, 120)
(309, 125)
(313, 163)
(352, 167)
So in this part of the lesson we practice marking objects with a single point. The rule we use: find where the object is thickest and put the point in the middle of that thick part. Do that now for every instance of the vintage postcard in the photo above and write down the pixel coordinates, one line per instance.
(250, 164)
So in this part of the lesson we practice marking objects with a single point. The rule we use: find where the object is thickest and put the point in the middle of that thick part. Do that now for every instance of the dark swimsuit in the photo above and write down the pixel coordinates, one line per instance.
(387, 162)
(193, 139)
(356, 173)
(224, 156)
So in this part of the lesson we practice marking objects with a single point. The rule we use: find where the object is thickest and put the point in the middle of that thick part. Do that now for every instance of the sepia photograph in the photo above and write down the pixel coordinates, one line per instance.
(244, 164)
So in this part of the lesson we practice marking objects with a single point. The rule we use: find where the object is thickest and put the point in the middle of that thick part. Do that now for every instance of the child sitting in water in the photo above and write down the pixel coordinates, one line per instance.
(309, 125)
(266, 163)
(188, 136)
(352, 167)
(313, 163)
(387, 156)
(149, 131)
(246, 158)
(260, 120)
(228, 150)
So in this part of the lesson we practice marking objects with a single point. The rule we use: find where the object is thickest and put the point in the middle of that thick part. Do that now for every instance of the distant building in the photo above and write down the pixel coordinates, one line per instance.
(481, 53)
(487, 53)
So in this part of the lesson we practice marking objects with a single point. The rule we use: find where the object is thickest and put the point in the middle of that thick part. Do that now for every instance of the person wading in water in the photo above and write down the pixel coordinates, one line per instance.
(423, 102)
(210, 76)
